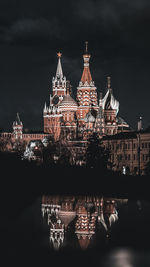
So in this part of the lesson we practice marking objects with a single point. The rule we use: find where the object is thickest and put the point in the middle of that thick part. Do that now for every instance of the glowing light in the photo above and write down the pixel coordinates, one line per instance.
(59, 54)
(120, 258)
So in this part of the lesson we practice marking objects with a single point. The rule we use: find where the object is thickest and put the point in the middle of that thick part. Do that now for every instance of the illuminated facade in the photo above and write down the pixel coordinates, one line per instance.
(88, 113)
(74, 120)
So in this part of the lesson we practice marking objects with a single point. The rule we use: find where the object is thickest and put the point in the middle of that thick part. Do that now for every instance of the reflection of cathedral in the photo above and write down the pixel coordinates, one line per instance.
(81, 213)
(85, 115)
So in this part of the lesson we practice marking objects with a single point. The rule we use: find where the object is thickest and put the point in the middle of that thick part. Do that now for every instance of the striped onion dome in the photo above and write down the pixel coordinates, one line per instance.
(66, 216)
(68, 104)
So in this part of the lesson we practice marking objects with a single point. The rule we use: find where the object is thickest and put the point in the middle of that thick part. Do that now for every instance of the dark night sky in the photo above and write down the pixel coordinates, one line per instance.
(33, 31)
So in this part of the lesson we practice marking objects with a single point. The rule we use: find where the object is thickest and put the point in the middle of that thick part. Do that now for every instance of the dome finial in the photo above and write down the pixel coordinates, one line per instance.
(86, 47)
(108, 82)
(68, 87)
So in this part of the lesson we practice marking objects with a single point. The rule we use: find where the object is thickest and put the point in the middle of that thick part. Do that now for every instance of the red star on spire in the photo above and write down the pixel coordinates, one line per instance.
(59, 54)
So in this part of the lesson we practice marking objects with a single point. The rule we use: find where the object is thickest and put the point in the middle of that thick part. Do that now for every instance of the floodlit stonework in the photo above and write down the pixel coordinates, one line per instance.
(75, 120)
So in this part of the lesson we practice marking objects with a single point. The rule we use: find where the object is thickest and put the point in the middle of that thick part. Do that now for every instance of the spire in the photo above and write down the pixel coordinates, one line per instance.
(68, 87)
(140, 124)
(109, 82)
(100, 99)
(45, 108)
(18, 121)
(17, 127)
(59, 73)
(86, 75)
(86, 47)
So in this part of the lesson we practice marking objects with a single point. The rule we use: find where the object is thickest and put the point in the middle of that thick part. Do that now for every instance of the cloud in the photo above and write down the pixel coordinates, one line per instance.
(31, 30)
(108, 11)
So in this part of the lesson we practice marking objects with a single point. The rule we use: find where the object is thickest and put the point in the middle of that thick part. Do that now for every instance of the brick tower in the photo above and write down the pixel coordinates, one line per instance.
(86, 91)
(17, 127)
(85, 225)
(52, 115)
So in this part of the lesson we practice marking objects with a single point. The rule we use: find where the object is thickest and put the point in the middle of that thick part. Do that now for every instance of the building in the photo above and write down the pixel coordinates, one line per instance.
(129, 152)
(75, 120)
(78, 118)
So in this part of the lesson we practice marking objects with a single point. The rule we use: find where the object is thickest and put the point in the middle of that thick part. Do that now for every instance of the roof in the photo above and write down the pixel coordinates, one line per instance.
(68, 103)
(121, 121)
(59, 73)
(122, 135)
(17, 121)
(66, 216)
(86, 75)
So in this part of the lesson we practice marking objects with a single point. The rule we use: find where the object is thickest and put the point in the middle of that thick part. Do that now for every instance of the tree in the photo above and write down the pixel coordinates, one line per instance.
(6, 143)
(49, 151)
(96, 155)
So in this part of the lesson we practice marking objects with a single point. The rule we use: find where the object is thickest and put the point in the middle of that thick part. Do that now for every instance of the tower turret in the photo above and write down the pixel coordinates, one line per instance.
(111, 108)
(59, 81)
(86, 91)
(17, 127)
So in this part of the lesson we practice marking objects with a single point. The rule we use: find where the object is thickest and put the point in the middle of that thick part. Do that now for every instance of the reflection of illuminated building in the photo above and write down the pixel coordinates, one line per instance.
(83, 214)
(56, 233)
(85, 226)
(66, 213)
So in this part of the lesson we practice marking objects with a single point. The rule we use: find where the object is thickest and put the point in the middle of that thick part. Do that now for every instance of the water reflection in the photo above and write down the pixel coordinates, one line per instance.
(120, 258)
(77, 221)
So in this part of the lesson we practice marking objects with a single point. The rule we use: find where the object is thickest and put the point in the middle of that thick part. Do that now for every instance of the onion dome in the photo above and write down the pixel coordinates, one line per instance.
(89, 117)
(66, 216)
(109, 101)
(68, 103)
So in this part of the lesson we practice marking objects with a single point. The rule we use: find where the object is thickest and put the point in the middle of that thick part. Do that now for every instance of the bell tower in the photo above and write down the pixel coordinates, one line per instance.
(17, 127)
(59, 81)
(86, 91)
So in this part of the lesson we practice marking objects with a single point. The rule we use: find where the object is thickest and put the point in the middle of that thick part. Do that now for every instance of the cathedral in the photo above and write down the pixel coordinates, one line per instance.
(74, 120)
(79, 118)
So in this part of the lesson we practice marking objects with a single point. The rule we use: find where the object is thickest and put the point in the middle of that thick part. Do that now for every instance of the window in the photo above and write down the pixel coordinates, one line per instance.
(128, 146)
(128, 156)
(125, 146)
(134, 157)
